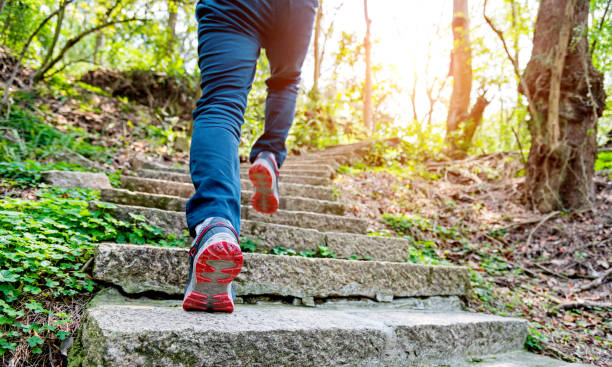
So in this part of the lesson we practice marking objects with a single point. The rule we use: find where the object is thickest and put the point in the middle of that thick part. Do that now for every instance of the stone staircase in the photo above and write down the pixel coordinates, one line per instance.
(291, 310)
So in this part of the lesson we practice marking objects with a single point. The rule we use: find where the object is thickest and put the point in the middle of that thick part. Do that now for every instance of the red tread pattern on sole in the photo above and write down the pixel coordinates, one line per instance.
(263, 200)
(225, 251)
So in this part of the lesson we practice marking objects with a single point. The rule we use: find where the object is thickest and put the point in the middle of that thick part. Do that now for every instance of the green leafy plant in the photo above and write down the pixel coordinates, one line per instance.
(28, 173)
(534, 340)
(36, 140)
(44, 246)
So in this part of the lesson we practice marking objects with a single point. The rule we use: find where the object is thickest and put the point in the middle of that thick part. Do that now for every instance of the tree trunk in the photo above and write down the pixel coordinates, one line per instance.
(99, 44)
(461, 72)
(317, 50)
(172, 17)
(367, 90)
(566, 95)
(58, 29)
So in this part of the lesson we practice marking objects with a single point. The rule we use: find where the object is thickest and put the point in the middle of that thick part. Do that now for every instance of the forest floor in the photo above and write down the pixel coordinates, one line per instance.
(554, 270)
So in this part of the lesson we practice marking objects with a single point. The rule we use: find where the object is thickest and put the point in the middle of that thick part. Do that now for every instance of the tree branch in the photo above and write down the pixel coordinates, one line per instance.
(514, 62)
(602, 21)
(73, 41)
(27, 45)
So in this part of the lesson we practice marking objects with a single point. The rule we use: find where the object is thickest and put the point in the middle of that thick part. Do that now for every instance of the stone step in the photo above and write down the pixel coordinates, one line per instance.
(296, 172)
(292, 170)
(139, 268)
(182, 177)
(174, 221)
(116, 331)
(316, 169)
(269, 235)
(522, 359)
(168, 202)
(186, 190)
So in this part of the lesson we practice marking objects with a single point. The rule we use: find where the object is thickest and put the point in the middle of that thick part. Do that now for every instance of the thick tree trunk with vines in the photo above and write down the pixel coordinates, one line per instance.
(567, 96)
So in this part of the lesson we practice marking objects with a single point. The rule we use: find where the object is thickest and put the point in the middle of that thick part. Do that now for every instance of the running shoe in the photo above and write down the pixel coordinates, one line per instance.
(264, 176)
(215, 260)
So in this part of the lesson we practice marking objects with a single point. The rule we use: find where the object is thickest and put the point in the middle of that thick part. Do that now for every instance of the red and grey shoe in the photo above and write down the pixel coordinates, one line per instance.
(264, 176)
(215, 260)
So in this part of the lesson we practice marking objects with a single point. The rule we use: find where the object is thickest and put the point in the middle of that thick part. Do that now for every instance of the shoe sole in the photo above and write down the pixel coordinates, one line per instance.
(215, 268)
(264, 200)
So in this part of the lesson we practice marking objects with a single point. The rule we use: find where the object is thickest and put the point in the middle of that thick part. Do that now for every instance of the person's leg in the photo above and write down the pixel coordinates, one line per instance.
(227, 60)
(286, 45)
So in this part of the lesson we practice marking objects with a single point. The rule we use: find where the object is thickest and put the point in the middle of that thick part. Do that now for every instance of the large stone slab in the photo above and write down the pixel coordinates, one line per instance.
(140, 163)
(298, 172)
(270, 235)
(345, 245)
(175, 222)
(319, 168)
(185, 178)
(87, 180)
(378, 248)
(322, 222)
(523, 359)
(139, 268)
(168, 202)
(155, 186)
(121, 332)
(186, 190)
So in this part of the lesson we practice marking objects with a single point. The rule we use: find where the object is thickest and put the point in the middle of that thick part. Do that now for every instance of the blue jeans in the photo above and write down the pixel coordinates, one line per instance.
(230, 36)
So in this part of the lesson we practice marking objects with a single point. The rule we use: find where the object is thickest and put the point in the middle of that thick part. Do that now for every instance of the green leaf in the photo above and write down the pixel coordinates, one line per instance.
(7, 276)
(34, 341)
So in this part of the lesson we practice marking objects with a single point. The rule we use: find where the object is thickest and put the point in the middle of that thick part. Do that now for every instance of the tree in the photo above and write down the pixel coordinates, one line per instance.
(566, 97)
(461, 124)
(172, 18)
(318, 53)
(367, 89)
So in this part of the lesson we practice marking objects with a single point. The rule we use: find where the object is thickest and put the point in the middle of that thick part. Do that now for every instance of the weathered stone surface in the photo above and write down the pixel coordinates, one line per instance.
(306, 204)
(523, 359)
(322, 222)
(378, 248)
(163, 175)
(168, 202)
(153, 333)
(154, 186)
(182, 177)
(269, 235)
(88, 180)
(175, 222)
(138, 269)
(186, 190)
(126, 197)
(169, 221)
(299, 190)
(140, 163)
(297, 172)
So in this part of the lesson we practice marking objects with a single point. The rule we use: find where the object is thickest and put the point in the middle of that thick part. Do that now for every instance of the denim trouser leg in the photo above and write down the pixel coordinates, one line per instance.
(230, 34)
(286, 49)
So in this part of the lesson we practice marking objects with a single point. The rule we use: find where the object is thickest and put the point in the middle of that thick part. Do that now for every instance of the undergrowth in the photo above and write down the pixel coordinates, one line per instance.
(44, 246)
(27, 137)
